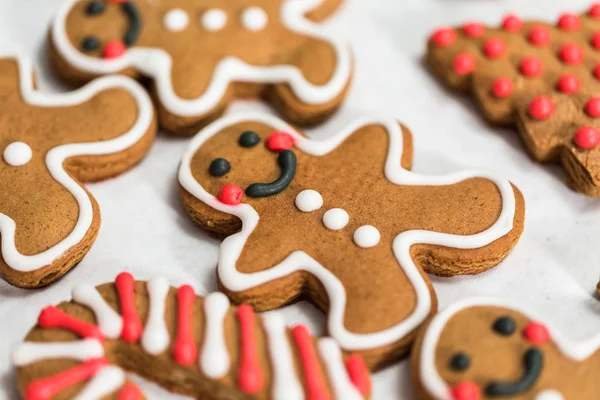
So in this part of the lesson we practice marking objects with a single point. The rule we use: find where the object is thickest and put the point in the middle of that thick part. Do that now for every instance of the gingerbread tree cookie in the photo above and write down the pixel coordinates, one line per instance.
(542, 77)
(344, 222)
(191, 345)
(200, 55)
(50, 144)
(487, 349)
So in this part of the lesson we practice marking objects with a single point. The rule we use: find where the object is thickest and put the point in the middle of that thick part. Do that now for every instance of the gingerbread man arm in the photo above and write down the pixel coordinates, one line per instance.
(90, 134)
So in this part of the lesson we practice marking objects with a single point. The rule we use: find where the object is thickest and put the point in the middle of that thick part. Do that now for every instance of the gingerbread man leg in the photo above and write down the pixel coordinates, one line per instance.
(52, 144)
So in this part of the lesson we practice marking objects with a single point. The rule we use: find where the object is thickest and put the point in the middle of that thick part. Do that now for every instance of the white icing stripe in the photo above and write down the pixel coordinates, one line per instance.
(431, 379)
(157, 64)
(336, 370)
(156, 336)
(56, 157)
(232, 246)
(286, 385)
(108, 380)
(109, 321)
(82, 350)
(214, 357)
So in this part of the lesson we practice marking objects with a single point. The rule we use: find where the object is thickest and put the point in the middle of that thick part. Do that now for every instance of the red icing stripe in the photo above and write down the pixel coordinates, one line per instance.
(130, 392)
(313, 376)
(53, 317)
(132, 326)
(184, 350)
(250, 376)
(359, 374)
(47, 388)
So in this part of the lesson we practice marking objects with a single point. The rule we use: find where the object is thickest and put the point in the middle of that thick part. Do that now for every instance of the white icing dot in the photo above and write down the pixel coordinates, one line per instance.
(214, 19)
(335, 219)
(549, 395)
(366, 236)
(17, 154)
(254, 18)
(176, 20)
(309, 200)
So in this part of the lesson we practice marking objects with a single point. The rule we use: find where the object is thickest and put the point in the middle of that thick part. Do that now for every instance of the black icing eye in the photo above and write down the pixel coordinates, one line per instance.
(90, 43)
(95, 8)
(460, 362)
(219, 167)
(249, 139)
(505, 326)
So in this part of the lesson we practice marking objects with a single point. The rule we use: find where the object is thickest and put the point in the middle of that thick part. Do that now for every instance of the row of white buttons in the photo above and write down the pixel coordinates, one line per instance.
(252, 18)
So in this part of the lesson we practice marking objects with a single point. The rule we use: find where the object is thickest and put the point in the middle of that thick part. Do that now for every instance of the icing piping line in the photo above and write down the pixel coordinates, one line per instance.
(232, 246)
(431, 378)
(56, 157)
(157, 63)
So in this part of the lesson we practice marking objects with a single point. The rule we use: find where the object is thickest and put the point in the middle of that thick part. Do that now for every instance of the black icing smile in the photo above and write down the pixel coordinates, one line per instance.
(287, 162)
(534, 361)
(135, 23)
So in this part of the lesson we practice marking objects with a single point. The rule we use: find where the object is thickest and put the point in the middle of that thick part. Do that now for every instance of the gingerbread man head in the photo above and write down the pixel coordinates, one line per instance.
(49, 145)
(201, 55)
(343, 221)
(487, 349)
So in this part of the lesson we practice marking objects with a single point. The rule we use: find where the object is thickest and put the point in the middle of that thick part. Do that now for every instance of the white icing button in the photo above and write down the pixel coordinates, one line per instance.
(254, 18)
(335, 219)
(176, 20)
(214, 19)
(366, 236)
(309, 200)
(17, 154)
(549, 395)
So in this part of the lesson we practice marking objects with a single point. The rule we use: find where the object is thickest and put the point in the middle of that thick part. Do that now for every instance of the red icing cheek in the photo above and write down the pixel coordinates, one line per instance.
(536, 333)
(466, 391)
(279, 141)
(231, 194)
(114, 49)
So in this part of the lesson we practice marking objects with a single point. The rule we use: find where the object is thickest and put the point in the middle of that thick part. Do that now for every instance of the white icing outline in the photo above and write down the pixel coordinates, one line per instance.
(430, 377)
(232, 246)
(80, 350)
(157, 63)
(57, 156)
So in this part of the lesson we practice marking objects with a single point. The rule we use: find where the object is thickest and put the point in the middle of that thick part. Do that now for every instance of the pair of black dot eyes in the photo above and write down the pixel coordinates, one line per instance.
(220, 166)
(94, 8)
(504, 326)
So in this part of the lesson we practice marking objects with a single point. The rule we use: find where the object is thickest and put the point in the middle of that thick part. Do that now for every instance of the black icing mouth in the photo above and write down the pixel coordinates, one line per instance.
(287, 162)
(534, 361)
(135, 23)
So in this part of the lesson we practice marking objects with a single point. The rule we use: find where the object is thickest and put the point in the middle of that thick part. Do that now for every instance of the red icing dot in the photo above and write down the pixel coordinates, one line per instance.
(539, 36)
(592, 107)
(571, 53)
(595, 40)
(231, 194)
(569, 22)
(596, 72)
(279, 141)
(466, 391)
(595, 11)
(443, 37)
(114, 49)
(512, 23)
(464, 63)
(541, 107)
(473, 29)
(587, 137)
(568, 83)
(536, 333)
(494, 48)
(502, 87)
(531, 66)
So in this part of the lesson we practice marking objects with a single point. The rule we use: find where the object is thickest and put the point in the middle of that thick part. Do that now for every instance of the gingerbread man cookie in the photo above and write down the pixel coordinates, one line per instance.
(542, 77)
(191, 345)
(50, 144)
(200, 55)
(487, 349)
(343, 221)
